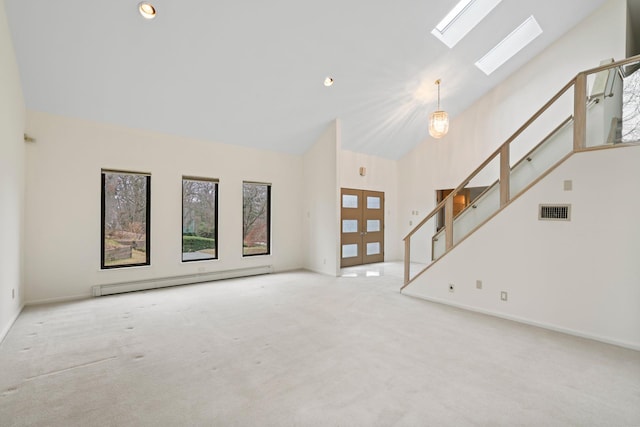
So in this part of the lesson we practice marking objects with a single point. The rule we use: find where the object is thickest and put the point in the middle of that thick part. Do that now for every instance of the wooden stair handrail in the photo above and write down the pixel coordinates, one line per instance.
(492, 156)
(579, 82)
(524, 158)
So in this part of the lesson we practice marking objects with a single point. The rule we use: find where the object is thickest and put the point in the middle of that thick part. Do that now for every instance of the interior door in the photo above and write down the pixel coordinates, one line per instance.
(362, 227)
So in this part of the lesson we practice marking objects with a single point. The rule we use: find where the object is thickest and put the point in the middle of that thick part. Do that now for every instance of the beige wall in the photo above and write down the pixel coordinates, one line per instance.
(580, 276)
(12, 116)
(63, 202)
(321, 214)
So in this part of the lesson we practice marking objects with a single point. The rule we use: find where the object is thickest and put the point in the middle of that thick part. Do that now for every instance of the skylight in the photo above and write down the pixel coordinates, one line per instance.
(510, 45)
(461, 19)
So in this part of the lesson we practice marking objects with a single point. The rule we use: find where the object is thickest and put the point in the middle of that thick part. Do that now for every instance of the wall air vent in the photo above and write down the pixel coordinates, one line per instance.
(554, 212)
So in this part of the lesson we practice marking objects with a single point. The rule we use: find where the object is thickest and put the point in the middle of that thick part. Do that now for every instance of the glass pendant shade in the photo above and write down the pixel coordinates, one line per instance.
(438, 120)
(438, 124)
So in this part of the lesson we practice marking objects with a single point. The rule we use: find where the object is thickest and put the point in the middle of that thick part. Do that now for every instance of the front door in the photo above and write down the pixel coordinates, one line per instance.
(362, 227)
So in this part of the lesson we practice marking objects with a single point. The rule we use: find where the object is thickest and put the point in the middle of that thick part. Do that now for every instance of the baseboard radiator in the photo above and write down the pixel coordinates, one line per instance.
(187, 279)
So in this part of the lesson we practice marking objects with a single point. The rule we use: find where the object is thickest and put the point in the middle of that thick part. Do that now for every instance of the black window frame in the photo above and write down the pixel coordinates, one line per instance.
(215, 213)
(268, 219)
(103, 173)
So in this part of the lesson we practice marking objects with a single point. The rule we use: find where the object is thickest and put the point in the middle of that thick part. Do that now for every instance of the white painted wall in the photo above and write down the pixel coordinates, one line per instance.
(481, 129)
(581, 277)
(381, 175)
(63, 202)
(12, 166)
(321, 234)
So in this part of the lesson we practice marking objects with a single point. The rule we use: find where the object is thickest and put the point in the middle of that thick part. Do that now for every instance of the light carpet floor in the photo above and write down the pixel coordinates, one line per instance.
(302, 349)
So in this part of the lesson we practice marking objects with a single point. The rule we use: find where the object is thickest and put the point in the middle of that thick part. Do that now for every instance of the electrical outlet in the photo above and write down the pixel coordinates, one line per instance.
(13, 293)
(451, 287)
(503, 296)
(478, 284)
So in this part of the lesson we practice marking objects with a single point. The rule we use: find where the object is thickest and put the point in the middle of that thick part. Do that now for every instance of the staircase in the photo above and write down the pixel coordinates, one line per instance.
(598, 109)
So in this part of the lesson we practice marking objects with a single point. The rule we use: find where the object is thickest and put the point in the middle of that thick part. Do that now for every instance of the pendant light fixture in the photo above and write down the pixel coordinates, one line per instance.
(438, 120)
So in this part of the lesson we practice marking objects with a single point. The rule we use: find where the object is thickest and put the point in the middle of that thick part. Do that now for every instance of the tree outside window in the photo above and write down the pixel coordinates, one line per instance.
(199, 219)
(631, 108)
(126, 204)
(256, 209)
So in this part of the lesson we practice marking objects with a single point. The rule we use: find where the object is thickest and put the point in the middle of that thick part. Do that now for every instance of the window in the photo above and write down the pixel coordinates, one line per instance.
(199, 219)
(463, 18)
(519, 38)
(256, 209)
(126, 207)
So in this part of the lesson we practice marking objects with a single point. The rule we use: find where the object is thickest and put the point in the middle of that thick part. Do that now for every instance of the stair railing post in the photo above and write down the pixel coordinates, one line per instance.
(505, 173)
(580, 112)
(448, 222)
(407, 259)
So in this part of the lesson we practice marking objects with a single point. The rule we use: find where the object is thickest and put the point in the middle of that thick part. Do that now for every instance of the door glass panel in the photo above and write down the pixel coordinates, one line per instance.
(373, 225)
(349, 225)
(349, 251)
(349, 201)
(373, 248)
(373, 202)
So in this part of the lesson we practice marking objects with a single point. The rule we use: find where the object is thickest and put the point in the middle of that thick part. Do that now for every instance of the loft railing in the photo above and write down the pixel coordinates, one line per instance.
(598, 108)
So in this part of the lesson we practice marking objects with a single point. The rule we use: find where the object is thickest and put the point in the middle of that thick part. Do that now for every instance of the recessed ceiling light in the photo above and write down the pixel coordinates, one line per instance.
(147, 10)
(328, 81)
(510, 45)
(461, 19)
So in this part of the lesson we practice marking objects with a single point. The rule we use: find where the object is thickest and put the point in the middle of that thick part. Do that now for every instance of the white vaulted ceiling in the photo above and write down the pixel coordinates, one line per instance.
(251, 72)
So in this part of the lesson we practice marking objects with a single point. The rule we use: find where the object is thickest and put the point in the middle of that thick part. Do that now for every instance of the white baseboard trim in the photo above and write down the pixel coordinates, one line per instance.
(551, 327)
(156, 283)
(7, 328)
(188, 279)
